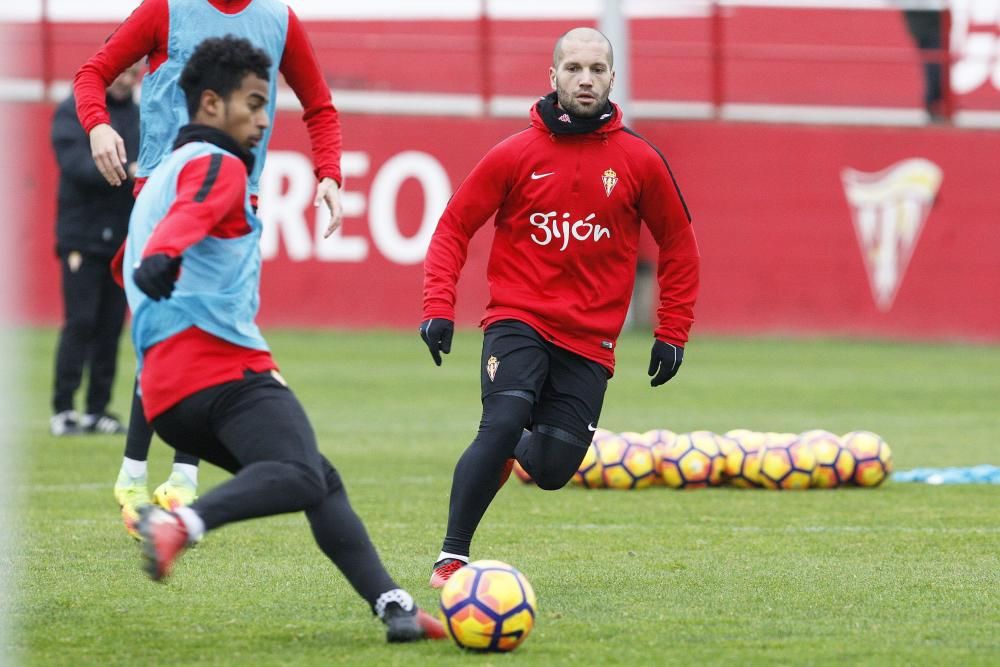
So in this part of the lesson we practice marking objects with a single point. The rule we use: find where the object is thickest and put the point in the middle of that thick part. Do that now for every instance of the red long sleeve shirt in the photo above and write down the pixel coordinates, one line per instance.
(144, 35)
(568, 210)
(192, 360)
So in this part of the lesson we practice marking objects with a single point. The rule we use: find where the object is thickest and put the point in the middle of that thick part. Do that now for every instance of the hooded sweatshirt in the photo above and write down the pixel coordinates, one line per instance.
(569, 196)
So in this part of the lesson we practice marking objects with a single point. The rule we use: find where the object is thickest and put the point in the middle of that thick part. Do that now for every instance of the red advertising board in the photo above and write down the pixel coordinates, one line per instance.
(792, 241)
(843, 230)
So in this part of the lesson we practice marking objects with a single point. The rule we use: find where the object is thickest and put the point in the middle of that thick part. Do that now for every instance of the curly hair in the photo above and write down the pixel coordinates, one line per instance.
(220, 64)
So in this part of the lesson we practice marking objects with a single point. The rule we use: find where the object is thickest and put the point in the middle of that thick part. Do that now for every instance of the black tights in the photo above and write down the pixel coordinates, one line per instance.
(545, 454)
(140, 435)
(257, 430)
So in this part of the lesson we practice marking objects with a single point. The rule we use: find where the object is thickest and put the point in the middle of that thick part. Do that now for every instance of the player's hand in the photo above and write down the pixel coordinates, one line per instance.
(664, 361)
(329, 191)
(437, 333)
(156, 275)
(108, 150)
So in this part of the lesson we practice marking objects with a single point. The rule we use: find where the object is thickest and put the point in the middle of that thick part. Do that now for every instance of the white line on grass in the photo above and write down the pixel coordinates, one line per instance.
(865, 529)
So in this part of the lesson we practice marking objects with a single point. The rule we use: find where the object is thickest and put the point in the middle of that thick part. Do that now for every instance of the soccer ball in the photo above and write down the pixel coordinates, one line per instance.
(743, 458)
(624, 464)
(694, 460)
(658, 440)
(488, 606)
(740, 433)
(786, 464)
(873, 457)
(777, 438)
(834, 462)
(588, 474)
(601, 434)
(726, 445)
(521, 473)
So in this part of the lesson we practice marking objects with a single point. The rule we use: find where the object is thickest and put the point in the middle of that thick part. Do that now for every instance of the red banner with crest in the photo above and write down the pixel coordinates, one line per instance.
(802, 229)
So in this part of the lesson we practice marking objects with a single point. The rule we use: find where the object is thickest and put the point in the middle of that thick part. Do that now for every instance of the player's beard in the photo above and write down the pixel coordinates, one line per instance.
(568, 102)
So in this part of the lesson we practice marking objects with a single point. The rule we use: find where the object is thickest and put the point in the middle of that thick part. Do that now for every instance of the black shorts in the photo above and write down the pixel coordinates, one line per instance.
(234, 424)
(567, 390)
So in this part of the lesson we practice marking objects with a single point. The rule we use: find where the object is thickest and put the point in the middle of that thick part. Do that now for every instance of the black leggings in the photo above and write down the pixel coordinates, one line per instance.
(544, 453)
(140, 434)
(256, 429)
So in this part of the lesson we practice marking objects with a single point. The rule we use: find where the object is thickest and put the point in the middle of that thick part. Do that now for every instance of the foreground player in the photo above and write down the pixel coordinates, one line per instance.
(164, 32)
(209, 385)
(569, 193)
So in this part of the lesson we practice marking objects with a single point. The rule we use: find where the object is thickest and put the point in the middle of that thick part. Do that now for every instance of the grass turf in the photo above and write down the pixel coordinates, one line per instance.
(904, 574)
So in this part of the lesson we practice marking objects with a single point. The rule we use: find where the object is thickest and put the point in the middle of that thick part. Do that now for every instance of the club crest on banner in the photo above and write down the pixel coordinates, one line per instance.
(889, 209)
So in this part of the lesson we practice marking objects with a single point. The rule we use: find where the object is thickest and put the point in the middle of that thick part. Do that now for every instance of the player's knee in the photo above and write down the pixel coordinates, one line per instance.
(309, 484)
(505, 416)
(554, 456)
(506, 426)
(332, 478)
(553, 479)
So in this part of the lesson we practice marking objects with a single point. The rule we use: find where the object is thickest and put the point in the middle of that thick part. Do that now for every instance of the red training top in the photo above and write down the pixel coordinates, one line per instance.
(193, 360)
(568, 211)
(144, 35)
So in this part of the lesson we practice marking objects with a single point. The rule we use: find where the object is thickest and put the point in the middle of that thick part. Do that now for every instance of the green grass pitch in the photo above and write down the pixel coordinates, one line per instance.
(903, 574)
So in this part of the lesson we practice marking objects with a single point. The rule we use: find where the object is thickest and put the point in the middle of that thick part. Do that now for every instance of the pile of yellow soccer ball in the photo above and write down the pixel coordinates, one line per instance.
(815, 459)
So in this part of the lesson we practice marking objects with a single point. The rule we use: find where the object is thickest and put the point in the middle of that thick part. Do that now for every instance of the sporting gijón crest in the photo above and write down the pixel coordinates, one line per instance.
(889, 209)
(610, 179)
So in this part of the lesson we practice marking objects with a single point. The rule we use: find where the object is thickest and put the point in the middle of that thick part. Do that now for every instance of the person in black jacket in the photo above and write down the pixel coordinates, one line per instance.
(925, 28)
(91, 224)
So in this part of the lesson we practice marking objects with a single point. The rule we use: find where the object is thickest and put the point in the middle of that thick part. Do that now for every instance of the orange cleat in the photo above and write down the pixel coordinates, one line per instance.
(505, 471)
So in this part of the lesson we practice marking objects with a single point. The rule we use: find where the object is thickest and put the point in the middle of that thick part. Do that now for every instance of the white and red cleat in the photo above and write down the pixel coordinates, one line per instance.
(164, 537)
(443, 569)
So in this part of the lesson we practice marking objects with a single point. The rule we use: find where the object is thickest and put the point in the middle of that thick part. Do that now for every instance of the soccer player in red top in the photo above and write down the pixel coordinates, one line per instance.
(160, 32)
(569, 194)
(209, 384)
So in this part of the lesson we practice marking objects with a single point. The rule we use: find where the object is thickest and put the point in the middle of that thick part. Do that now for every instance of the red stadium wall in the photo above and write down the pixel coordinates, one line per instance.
(776, 228)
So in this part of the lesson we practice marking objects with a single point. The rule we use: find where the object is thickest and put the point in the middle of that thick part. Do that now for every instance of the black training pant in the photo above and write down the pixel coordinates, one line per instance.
(140, 434)
(256, 429)
(94, 312)
(527, 382)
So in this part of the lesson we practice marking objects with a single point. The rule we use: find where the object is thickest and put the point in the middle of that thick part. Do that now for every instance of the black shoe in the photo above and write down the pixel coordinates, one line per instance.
(66, 422)
(104, 423)
(410, 626)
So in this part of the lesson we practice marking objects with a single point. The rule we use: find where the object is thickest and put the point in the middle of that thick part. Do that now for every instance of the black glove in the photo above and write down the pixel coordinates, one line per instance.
(437, 334)
(156, 275)
(664, 361)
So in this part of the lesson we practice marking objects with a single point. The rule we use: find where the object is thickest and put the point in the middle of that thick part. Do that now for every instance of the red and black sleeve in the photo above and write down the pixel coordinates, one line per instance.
(666, 215)
(143, 34)
(477, 198)
(211, 191)
(301, 70)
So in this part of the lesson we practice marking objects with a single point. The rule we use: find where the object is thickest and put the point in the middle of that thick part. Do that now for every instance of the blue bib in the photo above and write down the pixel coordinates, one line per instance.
(219, 286)
(163, 109)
